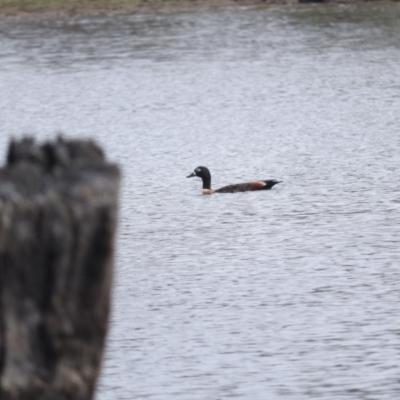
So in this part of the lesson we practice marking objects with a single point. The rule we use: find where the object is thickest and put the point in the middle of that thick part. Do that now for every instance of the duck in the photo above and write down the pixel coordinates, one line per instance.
(205, 175)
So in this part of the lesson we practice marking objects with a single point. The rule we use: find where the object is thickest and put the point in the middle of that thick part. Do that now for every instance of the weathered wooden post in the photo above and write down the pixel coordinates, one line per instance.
(58, 213)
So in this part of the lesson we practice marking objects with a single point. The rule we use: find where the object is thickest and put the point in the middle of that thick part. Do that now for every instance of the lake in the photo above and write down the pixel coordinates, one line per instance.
(292, 293)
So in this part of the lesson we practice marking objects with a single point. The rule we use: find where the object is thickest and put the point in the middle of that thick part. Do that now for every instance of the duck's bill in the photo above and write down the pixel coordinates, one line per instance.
(191, 175)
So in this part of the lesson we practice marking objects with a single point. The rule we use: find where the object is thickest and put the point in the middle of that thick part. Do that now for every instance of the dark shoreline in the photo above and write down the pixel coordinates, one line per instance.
(102, 7)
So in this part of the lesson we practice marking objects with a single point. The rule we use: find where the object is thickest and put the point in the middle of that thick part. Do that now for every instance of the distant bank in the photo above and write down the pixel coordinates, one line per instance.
(14, 7)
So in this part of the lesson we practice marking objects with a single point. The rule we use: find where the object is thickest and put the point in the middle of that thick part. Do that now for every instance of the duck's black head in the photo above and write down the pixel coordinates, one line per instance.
(204, 174)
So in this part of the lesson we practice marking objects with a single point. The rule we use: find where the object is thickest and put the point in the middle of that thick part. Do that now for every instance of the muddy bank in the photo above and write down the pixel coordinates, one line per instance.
(15, 7)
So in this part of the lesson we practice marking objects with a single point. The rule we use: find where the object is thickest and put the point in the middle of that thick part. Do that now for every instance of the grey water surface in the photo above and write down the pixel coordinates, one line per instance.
(291, 293)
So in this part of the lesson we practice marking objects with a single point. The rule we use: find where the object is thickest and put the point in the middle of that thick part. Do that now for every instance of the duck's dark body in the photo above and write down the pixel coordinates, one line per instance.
(245, 187)
(204, 174)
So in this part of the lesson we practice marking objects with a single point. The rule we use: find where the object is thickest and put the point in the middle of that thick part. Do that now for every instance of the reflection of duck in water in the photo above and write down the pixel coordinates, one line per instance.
(204, 174)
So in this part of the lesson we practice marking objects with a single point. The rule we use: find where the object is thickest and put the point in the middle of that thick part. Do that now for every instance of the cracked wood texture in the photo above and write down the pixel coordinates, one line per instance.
(58, 214)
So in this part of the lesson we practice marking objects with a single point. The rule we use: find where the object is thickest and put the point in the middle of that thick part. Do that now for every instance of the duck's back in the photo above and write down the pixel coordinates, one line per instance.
(245, 187)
